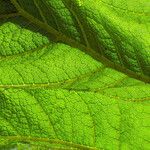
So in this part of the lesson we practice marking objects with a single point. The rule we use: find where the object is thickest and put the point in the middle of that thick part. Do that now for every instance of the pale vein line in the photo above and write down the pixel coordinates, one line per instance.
(40, 11)
(45, 112)
(25, 52)
(138, 61)
(26, 118)
(53, 16)
(92, 118)
(81, 27)
(10, 124)
(119, 127)
(71, 118)
(122, 9)
(118, 52)
(54, 84)
(98, 91)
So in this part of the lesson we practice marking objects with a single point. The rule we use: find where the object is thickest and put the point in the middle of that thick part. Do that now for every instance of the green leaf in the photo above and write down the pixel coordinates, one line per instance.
(74, 74)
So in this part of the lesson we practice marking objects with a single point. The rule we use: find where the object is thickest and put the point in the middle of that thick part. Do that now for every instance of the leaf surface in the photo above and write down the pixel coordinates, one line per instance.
(60, 80)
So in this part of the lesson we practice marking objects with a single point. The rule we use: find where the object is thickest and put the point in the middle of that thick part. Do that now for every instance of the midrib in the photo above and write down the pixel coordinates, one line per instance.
(65, 39)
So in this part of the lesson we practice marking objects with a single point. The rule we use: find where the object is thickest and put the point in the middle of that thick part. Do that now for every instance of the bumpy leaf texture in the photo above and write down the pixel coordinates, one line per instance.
(75, 74)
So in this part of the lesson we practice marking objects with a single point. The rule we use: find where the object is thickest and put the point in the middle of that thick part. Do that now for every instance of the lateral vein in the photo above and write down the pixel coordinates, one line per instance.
(40, 11)
(3, 16)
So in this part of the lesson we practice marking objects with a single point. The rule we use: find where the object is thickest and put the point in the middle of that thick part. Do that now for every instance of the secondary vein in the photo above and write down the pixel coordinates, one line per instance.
(3, 16)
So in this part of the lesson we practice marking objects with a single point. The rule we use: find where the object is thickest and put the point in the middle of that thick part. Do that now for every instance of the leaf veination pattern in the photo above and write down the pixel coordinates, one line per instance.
(136, 71)
(55, 96)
